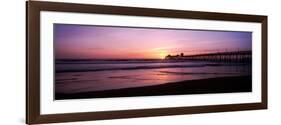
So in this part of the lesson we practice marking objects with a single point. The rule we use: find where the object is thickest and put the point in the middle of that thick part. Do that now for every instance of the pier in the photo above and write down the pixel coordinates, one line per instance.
(233, 56)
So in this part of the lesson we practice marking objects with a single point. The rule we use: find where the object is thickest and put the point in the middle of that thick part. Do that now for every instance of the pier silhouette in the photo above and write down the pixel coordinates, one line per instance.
(231, 56)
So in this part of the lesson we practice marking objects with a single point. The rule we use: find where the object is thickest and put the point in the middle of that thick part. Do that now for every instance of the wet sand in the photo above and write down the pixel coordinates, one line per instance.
(202, 86)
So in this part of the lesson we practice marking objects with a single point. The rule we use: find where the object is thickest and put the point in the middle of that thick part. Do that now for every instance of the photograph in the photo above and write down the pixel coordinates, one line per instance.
(94, 61)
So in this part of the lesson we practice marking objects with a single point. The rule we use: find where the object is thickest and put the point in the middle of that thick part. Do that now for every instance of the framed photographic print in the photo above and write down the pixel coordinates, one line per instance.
(94, 62)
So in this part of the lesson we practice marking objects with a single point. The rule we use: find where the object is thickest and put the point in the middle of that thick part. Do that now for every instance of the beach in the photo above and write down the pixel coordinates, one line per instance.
(201, 86)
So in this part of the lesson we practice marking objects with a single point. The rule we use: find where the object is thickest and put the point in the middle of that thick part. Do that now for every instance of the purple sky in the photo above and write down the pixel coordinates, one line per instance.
(99, 42)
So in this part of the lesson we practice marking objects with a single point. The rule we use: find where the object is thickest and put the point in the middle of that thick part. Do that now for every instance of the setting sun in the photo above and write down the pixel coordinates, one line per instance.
(162, 54)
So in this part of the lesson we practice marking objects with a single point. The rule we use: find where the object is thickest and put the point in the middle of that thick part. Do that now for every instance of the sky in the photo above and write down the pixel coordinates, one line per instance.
(105, 42)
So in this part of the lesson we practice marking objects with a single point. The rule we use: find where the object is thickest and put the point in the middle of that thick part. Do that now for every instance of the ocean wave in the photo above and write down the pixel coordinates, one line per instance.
(198, 73)
(147, 61)
(135, 68)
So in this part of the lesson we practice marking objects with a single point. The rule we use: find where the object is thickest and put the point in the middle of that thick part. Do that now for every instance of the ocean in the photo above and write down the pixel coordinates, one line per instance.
(76, 76)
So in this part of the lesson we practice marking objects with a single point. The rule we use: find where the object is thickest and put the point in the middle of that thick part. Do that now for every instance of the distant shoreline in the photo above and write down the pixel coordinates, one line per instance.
(202, 86)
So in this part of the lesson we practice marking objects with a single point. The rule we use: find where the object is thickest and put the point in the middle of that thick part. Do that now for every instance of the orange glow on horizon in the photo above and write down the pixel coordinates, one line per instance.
(159, 53)
(162, 54)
